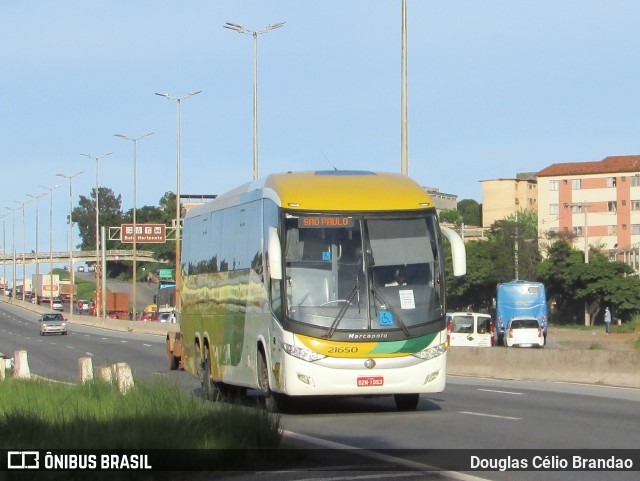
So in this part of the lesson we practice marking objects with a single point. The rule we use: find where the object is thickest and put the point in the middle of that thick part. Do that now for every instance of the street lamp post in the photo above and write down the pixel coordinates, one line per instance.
(36, 198)
(4, 255)
(98, 302)
(24, 250)
(135, 233)
(13, 285)
(254, 33)
(71, 273)
(178, 273)
(404, 134)
(51, 189)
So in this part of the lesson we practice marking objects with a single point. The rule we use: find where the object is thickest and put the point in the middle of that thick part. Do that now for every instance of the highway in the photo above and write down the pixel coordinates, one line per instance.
(471, 414)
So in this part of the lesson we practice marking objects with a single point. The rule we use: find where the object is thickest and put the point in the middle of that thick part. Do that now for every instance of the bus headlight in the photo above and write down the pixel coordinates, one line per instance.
(431, 352)
(301, 353)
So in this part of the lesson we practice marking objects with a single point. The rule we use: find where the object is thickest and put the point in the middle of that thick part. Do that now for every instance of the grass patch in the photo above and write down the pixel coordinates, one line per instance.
(37, 414)
(596, 346)
(630, 326)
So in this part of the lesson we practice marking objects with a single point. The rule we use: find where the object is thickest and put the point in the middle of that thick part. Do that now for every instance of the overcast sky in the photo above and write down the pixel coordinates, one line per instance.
(496, 87)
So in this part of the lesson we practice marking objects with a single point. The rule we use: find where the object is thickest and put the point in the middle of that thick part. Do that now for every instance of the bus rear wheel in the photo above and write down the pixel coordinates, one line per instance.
(208, 391)
(406, 402)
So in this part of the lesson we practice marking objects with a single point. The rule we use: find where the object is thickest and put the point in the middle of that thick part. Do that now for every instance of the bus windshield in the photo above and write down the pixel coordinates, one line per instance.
(363, 272)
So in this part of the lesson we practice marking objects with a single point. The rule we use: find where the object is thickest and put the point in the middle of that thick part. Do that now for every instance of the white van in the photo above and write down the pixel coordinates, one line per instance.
(470, 329)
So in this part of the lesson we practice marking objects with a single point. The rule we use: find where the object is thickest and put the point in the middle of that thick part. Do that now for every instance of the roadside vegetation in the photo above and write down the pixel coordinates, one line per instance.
(37, 414)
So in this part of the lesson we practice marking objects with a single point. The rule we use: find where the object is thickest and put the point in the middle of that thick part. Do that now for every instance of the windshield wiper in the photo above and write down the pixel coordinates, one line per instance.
(384, 302)
(343, 310)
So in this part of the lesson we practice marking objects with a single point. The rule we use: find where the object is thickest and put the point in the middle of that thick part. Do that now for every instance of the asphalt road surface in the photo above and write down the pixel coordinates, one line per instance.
(471, 415)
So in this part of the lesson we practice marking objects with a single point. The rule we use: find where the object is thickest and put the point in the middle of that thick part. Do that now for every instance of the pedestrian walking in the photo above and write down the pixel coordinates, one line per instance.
(607, 321)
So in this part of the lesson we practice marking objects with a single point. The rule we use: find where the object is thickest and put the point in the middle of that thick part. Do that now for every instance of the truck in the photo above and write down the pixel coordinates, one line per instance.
(520, 298)
(46, 286)
(65, 290)
(118, 305)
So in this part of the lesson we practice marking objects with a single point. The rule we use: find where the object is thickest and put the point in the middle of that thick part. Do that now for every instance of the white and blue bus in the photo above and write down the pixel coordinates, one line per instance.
(316, 283)
(520, 299)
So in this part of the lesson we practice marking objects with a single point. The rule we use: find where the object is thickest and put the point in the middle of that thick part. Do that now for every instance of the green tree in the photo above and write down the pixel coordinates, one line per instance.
(514, 239)
(477, 287)
(570, 283)
(109, 215)
(451, 215)
(470, 211)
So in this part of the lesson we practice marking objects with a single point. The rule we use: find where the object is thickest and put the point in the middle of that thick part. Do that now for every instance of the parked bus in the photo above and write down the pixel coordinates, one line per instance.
(520, 299)
(316, 283)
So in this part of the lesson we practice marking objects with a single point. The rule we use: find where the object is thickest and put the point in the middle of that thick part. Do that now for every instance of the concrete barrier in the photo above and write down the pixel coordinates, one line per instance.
(612, 368)
(85, 369)
(21, 365)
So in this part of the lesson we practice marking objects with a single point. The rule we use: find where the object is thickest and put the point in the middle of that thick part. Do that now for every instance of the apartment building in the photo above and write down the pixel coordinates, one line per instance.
(504, 197)
(598, 201)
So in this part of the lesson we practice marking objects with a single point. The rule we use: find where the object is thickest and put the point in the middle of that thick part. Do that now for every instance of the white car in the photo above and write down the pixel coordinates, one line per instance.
(57, 305)
(470, 329)
(523, 332)
(167, 317)
(53, 323)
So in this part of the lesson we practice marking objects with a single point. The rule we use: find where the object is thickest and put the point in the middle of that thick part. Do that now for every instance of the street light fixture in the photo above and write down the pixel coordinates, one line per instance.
(71, 270)
(36, 198)
(178, 273)
(135, 233)
(13, 285)
(51, 189)
(98, 302)
(24, 250)
(254, 34)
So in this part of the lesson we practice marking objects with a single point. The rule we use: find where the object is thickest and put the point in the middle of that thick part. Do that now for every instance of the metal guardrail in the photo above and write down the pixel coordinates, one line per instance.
(63, 256)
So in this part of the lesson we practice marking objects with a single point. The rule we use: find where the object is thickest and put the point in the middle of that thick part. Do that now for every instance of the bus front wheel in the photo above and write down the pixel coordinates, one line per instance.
(273, 402)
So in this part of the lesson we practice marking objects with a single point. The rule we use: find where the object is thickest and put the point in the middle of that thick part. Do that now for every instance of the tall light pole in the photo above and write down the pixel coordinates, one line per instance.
(178, 273)
(71, 273)
(254, 33)
(24, 250)
(13, 285)
(51, 189)
(98, 302)
(36, 199)
(404, 168)
(135, 233)
(4, 255)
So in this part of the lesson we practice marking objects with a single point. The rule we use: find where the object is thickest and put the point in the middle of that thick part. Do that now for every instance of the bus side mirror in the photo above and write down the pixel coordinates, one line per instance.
(458, 251)
(274, 251)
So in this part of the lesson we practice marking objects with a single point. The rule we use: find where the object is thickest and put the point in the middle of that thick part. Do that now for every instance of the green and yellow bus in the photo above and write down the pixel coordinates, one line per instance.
(316, 283)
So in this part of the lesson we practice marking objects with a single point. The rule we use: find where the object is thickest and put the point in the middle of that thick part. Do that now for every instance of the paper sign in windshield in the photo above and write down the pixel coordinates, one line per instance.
(406, 299)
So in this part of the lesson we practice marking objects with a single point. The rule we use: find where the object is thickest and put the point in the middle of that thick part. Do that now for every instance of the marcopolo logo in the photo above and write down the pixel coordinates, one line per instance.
(23, 460)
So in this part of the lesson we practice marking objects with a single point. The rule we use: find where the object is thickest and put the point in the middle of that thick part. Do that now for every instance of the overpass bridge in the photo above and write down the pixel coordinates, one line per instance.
(78, 256)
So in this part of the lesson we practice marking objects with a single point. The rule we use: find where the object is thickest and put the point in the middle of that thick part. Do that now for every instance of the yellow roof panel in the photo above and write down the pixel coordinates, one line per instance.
(348, 190)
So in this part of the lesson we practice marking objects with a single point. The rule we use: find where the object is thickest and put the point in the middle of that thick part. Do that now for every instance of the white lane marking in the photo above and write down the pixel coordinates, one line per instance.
(489, 415)
(383, 457)
(362, 476)
(148, 345)
(104, 338)
(502, 392)
(123, 341)
(88, 353)
(70, 347)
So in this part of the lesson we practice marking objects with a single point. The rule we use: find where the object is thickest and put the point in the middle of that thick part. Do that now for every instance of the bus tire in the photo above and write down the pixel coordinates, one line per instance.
(406, 402)
(208, 390)
(273, 402)
(172, 360)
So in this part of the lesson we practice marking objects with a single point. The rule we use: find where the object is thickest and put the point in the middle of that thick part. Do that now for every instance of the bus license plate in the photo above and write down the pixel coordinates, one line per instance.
(370, 381)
